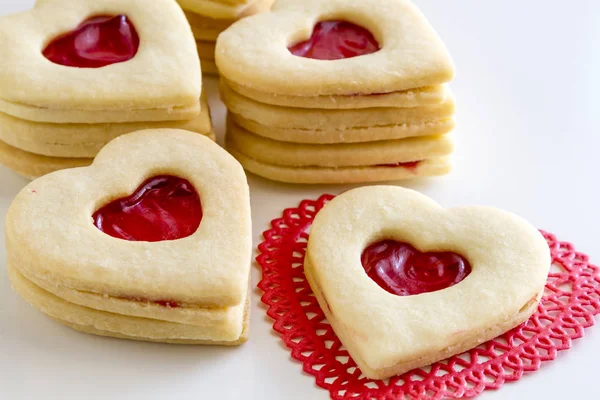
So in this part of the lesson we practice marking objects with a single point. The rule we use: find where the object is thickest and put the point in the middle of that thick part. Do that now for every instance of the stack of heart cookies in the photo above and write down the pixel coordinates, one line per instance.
(357, 98)
(209, 18)
(151, 242)
(78, 73)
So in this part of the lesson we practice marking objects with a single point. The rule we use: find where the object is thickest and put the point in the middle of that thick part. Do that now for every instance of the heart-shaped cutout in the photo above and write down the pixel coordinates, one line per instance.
(402, 270)
(164, 207)
(97, 42)
(387, 334)
(52, 239)
(146, 50)
(335, 40)
(379, 46)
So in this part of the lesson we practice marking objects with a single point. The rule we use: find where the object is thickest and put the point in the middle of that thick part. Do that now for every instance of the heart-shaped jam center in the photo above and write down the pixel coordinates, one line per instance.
(402, 270)
(164, 207)
(95, 43)
(334, 40)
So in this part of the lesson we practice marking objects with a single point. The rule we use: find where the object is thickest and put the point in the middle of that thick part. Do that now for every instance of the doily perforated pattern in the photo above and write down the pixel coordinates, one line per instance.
(570, 302)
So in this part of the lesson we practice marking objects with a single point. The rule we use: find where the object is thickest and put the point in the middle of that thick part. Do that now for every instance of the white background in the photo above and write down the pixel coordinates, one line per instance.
(527, 141)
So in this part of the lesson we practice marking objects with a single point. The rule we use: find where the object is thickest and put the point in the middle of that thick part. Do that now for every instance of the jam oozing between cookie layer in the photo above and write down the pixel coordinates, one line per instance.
(97, 42)
(412, 165)
(402, 270)
(164, 207)
(335, 40)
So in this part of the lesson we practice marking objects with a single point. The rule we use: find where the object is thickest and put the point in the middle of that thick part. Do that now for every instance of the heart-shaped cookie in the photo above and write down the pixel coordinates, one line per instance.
(225, 10)
(157, 227)
(398, 49)
(405, 282)
(145, 50)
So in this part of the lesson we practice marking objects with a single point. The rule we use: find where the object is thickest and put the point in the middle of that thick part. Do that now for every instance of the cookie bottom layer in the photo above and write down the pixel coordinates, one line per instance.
(324, 175)
(219, 10)
(351, 135)
(407, 365)
(32, 166)
(93, 331)
(314, 118)
(206, 49)
(205, 28)
(417, 97)
(115, 325)
(84, 140)
(74, 116)
(209, 67)
(379, 153)
(221, 318)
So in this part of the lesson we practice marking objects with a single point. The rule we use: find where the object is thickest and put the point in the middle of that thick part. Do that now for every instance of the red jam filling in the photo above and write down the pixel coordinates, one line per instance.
(167, 303)
(402, 270)
(164, 207)
(335, 40)
(412, 165)
(95, 43)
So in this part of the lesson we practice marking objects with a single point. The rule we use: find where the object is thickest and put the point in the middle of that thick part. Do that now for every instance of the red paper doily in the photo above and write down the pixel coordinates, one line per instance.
(570, 301)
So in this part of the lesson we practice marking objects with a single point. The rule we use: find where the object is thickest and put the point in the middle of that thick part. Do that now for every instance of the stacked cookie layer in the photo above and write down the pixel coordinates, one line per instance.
(337, 145)
(59, 106)
(178, 286)
(343, 105)
(208, 18)
(35, 148)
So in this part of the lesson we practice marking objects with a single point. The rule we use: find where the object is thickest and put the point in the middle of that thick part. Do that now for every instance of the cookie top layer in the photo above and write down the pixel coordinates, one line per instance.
(50, 231)
(165, 72)
(509, 259)
(254, 51)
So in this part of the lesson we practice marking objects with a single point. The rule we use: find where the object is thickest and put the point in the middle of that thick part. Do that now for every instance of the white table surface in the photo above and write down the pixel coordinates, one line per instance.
(527, 141)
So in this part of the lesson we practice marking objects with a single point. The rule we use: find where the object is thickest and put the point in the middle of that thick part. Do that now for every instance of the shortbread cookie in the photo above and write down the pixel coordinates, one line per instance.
(84, 140)
(226, 9)
(103, 323)
(206, 50)
(56, 116)
(408, 54)
(408, 98)
(31, 166)
(351, 135)
(219, 319)
(206, 28)
(209, 67)
(395, 308)
(93, 331)
(337, 155)
(344, 175)
(305, 118)
(46, 79)
(70, 252)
